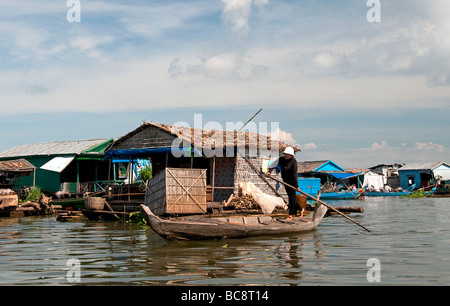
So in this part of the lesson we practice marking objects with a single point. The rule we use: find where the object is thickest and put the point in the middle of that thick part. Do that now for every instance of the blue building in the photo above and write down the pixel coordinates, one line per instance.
(326, 170)
(421, 174)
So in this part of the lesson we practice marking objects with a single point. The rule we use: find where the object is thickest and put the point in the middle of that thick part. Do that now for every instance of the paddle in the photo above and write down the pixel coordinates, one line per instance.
(321, 202)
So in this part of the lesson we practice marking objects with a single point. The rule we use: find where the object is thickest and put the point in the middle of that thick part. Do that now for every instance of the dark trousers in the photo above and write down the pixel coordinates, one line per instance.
(293, 204)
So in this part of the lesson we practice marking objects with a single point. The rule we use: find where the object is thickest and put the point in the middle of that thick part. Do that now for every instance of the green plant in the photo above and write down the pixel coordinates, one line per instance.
(415, 194)
(34, 194)
(145, 173)
(137, 217)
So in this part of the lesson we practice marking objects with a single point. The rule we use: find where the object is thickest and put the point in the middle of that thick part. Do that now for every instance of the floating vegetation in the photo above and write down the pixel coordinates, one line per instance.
(416, 194)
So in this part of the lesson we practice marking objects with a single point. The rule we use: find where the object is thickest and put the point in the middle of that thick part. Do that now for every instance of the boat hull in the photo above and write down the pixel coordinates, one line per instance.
(386, 194)
(204, 227)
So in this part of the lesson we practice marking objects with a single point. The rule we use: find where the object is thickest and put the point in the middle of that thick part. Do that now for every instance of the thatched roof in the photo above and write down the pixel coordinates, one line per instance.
(212, 139)
(309, 166)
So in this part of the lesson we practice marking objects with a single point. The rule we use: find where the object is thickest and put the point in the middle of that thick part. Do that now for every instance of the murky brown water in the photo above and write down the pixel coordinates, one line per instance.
(410, 240)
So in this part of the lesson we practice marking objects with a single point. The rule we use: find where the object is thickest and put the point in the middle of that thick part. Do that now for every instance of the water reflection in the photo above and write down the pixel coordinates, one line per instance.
(412, 247)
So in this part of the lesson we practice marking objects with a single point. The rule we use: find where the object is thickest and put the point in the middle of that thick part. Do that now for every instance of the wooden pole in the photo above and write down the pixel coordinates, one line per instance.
(321, 202)
(213, 178)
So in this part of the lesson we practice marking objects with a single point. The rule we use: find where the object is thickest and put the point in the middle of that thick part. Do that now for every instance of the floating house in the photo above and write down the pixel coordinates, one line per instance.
(227, 156)
(327, 171)
(421, 174)
(66, 166)
(390, 173)
(10, 171)
(332, 180)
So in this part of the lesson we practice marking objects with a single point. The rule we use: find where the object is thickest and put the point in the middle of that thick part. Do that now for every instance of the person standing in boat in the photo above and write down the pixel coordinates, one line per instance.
(289, 173)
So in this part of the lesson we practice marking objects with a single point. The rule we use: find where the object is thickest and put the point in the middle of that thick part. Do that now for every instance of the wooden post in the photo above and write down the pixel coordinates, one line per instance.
(34, 176)
(213, 178)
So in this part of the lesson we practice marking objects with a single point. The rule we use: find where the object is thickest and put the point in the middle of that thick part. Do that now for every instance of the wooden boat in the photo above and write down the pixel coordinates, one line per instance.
(205, 227)
(338, 195)
(391, 194)
(70, 203)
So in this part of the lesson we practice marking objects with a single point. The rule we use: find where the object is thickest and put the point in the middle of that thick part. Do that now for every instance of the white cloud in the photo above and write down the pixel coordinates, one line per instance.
(84, 43)
(428, 146)
(326, 60)
(308, 146)
(237, 13)
(284, 136)
(379, 146)
(225, 66)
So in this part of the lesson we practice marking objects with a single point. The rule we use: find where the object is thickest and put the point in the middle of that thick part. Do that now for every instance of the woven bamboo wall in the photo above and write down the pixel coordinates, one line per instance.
(149, 137)
(245, 173)
(177, 191)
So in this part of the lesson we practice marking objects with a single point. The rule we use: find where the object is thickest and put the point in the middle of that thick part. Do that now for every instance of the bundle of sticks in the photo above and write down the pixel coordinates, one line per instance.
(241, 202)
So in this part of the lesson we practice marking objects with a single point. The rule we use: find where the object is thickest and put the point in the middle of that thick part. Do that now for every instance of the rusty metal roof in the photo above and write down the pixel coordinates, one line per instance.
(16, 165)
(52, 148)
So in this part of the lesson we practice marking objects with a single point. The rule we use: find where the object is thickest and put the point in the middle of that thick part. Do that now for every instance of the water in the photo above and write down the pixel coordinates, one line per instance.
(410, 238)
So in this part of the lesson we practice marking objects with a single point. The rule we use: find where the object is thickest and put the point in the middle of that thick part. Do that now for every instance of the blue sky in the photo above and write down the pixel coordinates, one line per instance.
(343, 88)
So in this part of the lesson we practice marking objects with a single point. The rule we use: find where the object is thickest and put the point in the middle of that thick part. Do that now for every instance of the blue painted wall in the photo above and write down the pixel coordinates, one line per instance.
(310, 185)
(404, 178)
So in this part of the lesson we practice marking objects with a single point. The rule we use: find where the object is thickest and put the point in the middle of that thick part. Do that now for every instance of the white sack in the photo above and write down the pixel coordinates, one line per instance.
(267, 202)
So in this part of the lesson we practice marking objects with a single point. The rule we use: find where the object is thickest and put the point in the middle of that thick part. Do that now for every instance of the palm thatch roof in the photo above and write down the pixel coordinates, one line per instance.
(213, 139)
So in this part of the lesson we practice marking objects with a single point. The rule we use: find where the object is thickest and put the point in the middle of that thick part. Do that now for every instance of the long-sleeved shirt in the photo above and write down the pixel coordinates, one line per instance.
(289, 170)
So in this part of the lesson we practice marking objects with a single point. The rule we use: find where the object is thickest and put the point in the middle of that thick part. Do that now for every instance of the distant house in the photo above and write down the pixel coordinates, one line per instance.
(326, 170)
(14, 169)
(421, 174)
(69, 166)
(390, 173)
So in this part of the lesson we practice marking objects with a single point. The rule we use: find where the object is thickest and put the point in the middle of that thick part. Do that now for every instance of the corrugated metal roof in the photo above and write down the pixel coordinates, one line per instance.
(52, 148)
(420, 166)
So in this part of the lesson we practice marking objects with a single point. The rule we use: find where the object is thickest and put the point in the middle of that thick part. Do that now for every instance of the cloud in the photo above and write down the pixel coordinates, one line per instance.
(236, 13)
(283, 136)
(379, 146)
(424, 146)
(326, 60)
(309, 146)
(153, 20)
(84, 43)
(225, 66)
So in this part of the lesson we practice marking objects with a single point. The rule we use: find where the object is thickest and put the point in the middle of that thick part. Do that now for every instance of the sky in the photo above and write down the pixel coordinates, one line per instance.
(354, 81)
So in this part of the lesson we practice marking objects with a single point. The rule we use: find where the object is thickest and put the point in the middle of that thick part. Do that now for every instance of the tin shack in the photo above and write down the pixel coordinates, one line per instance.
(63, 166)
